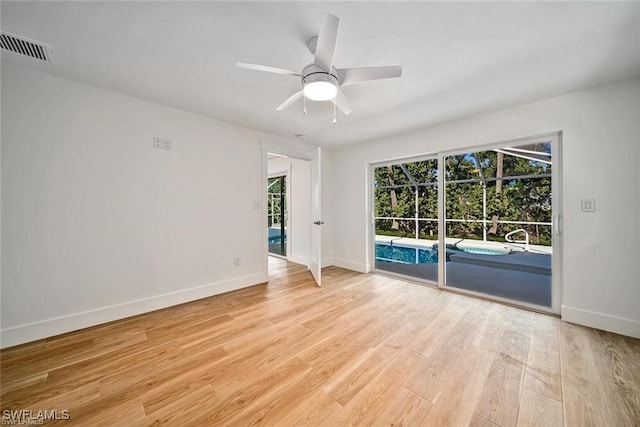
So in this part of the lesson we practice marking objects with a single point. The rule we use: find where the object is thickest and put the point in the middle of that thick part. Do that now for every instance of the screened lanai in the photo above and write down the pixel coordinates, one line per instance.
(493, 208)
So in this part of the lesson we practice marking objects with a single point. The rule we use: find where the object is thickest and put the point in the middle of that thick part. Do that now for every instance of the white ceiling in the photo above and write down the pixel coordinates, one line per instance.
(459, 59)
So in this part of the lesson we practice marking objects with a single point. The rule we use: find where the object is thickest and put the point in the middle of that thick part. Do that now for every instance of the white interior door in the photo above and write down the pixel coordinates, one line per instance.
(315, 254)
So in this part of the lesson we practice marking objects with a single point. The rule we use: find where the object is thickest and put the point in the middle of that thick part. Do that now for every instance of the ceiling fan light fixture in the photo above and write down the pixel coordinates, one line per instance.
(320, 86)
(320, 91)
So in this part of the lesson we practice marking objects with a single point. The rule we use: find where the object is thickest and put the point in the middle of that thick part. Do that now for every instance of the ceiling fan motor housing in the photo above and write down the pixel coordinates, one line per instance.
(315, 73)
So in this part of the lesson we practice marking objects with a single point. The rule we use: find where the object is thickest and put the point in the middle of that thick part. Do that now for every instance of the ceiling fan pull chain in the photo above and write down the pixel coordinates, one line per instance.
(304, 104)
(334, 111)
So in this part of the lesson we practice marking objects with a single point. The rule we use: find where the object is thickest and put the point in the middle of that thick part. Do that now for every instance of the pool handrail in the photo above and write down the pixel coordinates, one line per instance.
(508, 238)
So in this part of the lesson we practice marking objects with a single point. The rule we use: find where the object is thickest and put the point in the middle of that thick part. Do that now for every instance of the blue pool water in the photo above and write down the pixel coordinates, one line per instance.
(275, 235)
(405, 254)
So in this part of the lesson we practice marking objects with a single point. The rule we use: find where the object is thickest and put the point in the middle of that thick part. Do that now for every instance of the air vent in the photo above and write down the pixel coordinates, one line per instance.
(26, 47)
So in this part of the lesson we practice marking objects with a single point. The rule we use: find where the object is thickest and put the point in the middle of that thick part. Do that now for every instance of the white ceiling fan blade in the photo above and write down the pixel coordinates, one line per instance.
(327, 38)
(290, 101)
(266, 68)
(343, 103)
(348, 76)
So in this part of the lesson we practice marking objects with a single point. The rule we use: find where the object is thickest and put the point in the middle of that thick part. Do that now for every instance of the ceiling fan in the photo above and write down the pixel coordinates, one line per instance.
(320, 80)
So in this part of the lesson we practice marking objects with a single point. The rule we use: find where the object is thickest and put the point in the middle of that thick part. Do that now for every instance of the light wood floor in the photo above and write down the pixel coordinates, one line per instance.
(361, 350)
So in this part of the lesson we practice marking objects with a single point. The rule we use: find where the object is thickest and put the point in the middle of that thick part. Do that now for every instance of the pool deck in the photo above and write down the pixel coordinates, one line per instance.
(520, 276)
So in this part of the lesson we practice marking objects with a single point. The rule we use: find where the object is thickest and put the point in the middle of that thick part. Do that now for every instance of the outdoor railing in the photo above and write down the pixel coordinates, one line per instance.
(485, 222)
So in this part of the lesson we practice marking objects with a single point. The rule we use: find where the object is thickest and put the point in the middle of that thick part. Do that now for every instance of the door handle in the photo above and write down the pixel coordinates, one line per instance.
(318, 222)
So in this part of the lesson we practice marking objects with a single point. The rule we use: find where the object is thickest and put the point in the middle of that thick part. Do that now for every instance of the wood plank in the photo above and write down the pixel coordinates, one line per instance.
(478, 421)
(492, 329)
(70, 400)
(500, 397)
(623, 403)
(349, 381)
(248, 361)
(584, 403)
(18, 383)
(182, 409)
(137, 379)
(575, 358)
(543, 364)
(261, 390)
(313, 411)
(371, 402)
(456, 402)
(127, 412)
(437, 332)
(619, 380)
(615, 358)
(539, 410)
(68, 378)
(437, 370)
(407, 409)
(365, 371)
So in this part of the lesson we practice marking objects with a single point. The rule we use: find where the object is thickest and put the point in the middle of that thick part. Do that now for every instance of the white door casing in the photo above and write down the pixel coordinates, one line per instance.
(315, 261)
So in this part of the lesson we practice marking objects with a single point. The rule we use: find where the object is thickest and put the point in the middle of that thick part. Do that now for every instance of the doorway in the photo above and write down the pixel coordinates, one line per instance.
(482, 221)
(298, 231)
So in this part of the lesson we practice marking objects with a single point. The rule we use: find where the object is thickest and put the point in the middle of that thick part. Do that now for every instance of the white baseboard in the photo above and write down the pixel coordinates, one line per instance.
(350, 265)
(303, 260)
(327, 262)
(73, 322)
(618, 325)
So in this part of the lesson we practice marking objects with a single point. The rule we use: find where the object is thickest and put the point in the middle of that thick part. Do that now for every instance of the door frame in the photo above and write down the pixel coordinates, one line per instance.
(557, 217)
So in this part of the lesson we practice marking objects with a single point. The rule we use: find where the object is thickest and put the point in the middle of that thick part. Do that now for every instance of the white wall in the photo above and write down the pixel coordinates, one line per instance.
(601, 155)
(299, 209)
(97, 225)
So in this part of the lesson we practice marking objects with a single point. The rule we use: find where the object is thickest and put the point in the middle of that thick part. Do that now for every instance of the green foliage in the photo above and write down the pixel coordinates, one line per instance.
(276, 189)
(523, 199)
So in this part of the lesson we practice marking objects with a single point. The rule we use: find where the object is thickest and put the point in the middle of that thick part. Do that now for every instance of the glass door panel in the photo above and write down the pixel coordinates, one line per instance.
(276, 215)
(498, 210)
(406, 218)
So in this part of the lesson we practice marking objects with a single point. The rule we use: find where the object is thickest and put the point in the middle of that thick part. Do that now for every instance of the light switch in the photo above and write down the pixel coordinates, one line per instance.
(588, 205)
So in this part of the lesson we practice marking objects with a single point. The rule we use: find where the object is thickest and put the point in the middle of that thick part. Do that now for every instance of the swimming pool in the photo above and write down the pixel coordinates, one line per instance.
(405, 254)
(275, 234)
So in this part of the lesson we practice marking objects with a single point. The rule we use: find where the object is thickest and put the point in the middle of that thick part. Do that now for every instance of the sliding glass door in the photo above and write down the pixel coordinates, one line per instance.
(276, 215)
(497, 231)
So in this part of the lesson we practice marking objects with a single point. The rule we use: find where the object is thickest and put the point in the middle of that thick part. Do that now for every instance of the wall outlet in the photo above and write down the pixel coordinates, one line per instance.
(236, 261)
(588, 205)
(162, 143)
